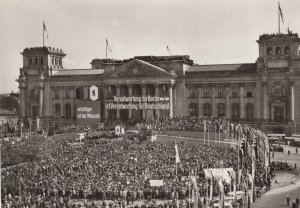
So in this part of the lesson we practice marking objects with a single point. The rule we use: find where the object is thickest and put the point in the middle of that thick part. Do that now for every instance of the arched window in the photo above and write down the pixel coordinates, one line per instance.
(57, 110)
(235, 92)
(269, 51)
(34, 94)
(249, 92)
(60, 64)
(220, 92)
(193, 109)
(193, 93)
(278, 51)
(206, 92)
(30, 61)
(56, 93)
(221, 109)
(68, 110)
(249, 111)
(235, 111)
(207, 109)
(287, 50)
(67, 94)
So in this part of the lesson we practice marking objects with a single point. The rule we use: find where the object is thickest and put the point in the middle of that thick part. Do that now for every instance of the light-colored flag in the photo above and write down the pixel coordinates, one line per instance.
(107, 45)
(45, 29)
(177, 158)
(280, 13)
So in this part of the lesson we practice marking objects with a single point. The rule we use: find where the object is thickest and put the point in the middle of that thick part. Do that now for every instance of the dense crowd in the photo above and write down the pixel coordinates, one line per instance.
(186, 123)
(51, 173)
(110, 170)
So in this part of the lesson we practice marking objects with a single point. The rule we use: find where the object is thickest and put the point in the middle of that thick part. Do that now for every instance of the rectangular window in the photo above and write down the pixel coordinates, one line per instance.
(249, 94)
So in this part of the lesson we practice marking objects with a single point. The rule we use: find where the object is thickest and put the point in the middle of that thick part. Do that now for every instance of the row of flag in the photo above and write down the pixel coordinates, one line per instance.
(45, 31)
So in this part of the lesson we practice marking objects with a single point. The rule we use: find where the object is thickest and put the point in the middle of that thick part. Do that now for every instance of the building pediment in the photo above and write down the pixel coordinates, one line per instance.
(138, 69)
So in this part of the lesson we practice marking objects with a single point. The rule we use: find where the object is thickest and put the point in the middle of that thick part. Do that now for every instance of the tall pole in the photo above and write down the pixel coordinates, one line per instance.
(204, 135)
(208, 137)
(278, 19)
(21, 130)
(238, 172)
(189, 188)
(43, 36)
(215, 133)
(105, 48)
(219, 137)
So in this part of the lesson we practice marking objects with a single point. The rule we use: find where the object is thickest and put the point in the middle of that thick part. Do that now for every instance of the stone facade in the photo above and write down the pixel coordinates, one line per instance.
(265, 93)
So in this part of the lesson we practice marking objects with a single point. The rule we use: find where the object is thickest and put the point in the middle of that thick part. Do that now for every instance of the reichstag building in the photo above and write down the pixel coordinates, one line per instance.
(265, 93)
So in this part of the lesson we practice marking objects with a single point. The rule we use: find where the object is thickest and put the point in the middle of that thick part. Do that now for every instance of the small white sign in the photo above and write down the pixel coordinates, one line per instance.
(93, 93)
(156, 182)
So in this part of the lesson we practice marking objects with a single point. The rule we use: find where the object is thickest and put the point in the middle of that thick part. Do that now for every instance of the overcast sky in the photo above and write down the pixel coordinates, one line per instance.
(210, 31)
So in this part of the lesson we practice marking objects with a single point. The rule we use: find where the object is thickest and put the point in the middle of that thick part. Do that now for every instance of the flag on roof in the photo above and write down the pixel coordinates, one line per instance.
(280, 12)
(107, 45)
(45, 29)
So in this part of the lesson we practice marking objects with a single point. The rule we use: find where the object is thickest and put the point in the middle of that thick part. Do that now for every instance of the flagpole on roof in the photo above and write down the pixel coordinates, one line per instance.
(278, 18)
(44, 30)
(43, 34)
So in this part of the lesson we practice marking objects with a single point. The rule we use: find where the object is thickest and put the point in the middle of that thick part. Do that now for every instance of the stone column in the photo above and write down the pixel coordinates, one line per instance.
(47, 100)
(105, 95)
(144, 95)
(61, 102)
(41, 100)
(242, 103)
(265, 105)
(22, 87)
(171, 100)
(292, 101)
(72, 102)
(213, 101)
(157, 112)
(118, 93)
(200, 107)
(227, 99)
(129, 95)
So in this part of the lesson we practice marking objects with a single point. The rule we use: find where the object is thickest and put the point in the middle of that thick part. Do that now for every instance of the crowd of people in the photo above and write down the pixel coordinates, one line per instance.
(111, 170)
(56, 173)
(185, 123)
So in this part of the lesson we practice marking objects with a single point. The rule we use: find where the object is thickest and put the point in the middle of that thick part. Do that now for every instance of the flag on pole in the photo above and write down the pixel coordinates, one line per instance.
(177, 159)
(45, 29)
(280, 13)
(107, 45)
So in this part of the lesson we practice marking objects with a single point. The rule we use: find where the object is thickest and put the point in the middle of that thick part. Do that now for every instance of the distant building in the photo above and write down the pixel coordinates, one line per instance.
(265, 93)
(9, 114)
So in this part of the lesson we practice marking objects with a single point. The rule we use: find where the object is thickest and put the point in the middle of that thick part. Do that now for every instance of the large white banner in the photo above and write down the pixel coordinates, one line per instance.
(156, 182)
(138, 103)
